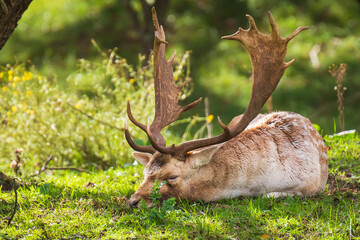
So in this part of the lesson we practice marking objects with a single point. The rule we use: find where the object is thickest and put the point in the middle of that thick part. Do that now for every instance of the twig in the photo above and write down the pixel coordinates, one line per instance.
(67, 168)
(208, 124)
(91, 117)
(339, 74)
(44, 168)
(15, 205)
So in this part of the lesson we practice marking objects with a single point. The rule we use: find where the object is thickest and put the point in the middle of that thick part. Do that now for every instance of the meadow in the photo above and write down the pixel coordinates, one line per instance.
(66, 170)
(45, 128)
(71, 205)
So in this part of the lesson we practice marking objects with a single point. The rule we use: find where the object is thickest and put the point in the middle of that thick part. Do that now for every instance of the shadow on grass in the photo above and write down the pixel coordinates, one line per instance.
(241, 218)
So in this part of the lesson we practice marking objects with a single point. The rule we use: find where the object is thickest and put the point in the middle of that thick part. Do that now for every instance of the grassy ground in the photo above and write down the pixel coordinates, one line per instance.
(65, 205)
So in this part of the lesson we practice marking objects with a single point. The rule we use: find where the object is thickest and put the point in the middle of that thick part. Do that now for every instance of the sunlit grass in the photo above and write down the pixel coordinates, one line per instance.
(69, 205)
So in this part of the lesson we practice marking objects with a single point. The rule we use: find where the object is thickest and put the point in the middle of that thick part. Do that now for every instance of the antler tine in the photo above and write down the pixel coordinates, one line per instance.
(223, 126)
(296, 32)
(154, 142)
(133, 145)
(159, 31)
(191, 105)
(275, 29)
(171, 59)
(252, 23)
(132, 119)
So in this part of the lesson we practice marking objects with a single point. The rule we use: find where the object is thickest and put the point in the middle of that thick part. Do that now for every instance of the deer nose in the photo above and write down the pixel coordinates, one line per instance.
(133, 203)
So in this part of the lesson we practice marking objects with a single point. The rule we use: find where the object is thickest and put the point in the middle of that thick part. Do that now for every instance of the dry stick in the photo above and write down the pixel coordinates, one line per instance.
(91, 117)
(45, 168)
(208, 124)
(15, 205)
(339, 74)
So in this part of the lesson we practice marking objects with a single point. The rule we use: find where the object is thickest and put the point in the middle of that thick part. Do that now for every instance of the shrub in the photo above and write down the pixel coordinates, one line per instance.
(80, 125)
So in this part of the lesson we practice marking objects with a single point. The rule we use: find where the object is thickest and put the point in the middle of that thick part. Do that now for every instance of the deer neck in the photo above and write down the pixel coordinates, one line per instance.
(207, 182)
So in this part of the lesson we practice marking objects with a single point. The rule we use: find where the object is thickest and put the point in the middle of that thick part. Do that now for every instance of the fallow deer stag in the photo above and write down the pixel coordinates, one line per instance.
(276, 154)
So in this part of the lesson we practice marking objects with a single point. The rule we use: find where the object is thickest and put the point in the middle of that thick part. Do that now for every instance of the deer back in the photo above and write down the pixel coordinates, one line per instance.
(281, 152)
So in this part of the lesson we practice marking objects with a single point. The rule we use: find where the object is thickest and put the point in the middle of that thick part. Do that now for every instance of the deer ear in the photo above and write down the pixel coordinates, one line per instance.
(203, 156)
(142, 157)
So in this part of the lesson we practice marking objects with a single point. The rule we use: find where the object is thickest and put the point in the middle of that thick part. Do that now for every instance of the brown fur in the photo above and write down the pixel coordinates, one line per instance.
(278, 154)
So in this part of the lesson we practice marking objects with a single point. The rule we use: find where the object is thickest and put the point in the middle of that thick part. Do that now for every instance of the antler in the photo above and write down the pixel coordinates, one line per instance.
(167, 109)
(267, 53)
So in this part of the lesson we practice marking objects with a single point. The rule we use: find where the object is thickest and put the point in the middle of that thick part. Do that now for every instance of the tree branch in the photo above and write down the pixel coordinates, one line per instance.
(91, 117)
(44, 168)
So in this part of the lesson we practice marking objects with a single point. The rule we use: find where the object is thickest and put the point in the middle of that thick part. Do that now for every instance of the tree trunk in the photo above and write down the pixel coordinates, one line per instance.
(143, 26)
(10, 13)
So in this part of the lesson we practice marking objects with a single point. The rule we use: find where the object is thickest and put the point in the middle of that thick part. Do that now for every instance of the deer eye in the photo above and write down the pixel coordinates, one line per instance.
(172, 178)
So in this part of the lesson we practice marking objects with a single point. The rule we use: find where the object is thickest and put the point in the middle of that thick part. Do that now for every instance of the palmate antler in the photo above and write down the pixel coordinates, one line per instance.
(167, 109)
(267, 53)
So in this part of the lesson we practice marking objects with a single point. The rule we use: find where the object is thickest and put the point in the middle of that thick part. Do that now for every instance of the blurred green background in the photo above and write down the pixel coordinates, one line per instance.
(53, 35)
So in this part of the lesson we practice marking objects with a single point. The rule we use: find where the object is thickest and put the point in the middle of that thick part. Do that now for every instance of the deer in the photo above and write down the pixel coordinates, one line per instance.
(271, 155)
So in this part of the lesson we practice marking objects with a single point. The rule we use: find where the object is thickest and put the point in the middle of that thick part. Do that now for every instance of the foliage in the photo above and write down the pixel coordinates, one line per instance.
(345, 151)
(80, 126)
(95, 205)
(157, 213)
(55, 35)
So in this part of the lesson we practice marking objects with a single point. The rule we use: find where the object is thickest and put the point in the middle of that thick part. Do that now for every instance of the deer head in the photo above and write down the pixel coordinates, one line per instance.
(178, 165)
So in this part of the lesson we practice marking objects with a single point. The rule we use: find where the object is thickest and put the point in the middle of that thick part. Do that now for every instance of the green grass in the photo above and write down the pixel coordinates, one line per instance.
(66, 205)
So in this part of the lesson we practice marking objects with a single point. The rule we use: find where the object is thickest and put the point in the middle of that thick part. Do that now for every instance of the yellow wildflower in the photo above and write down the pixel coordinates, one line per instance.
(209, 118)
(28, 92)
(14, 108)
(1, 74)
(16, 79)
(10, 78)
(78, 106)
(40, 78)
(16, 92)
(132, 80)
(10, 72)
(176, 78)
(14, 84)
(28, 75)
(8, 114)
(4, 89)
